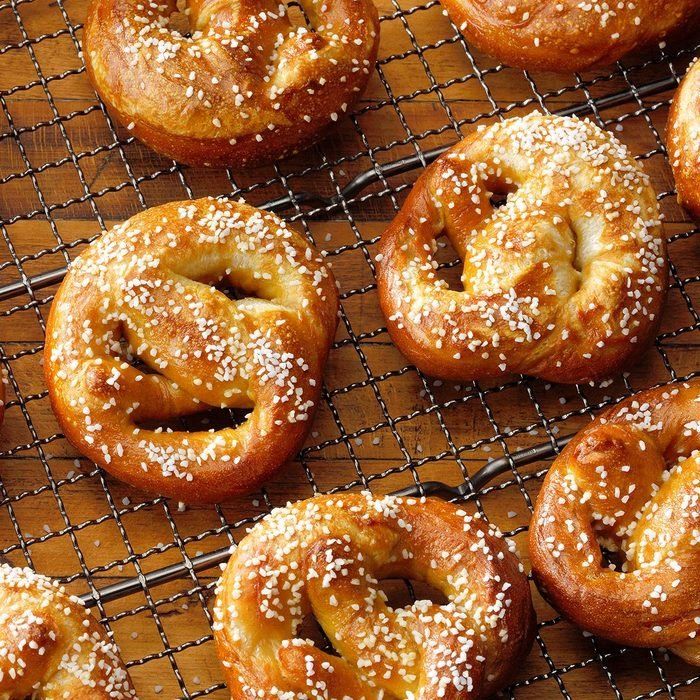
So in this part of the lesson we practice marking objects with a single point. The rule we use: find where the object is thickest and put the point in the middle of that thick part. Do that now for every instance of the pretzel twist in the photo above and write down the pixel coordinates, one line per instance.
(568, 35)
(149, 283)
(324, 556)
(631, 483)
(244, 87)
(565, 281)
(51, 647)
(684, 139)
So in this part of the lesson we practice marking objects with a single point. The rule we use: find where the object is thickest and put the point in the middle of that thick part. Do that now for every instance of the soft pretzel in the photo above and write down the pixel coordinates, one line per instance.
(150, 282)
(568, 35)
(50, 645)
(565, 281)
(324, 556)
(684, 139)
(630, 482)
(243, 86)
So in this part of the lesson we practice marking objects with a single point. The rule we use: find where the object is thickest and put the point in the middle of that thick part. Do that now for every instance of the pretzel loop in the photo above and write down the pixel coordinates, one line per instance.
(150, 282)
(326, 556)
(561, 282)
(630, 483)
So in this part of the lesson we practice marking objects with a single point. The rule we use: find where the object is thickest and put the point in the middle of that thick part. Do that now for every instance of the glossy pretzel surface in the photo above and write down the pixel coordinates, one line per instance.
(140, 335)
(51, 648)
(684, 139)
(631, 483)
(325, 556)
(568, 35)
(241, 85)
(565, 281)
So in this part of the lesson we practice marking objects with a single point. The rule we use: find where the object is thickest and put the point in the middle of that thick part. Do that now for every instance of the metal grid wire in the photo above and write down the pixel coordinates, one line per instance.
(383, 426)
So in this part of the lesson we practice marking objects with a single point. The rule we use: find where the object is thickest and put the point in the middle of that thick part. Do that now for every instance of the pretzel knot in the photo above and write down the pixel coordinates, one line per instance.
(684, 139)
(144, 291)
(630, 483)
(240, 84)
(325, 556)
(50, 645)
(565, 281)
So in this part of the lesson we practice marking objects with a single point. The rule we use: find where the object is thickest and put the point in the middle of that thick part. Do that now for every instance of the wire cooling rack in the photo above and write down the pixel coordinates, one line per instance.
(147, 565)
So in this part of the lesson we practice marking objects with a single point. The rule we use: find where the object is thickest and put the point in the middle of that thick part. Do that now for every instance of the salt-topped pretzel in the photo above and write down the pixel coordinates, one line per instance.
(150, 282)
(568, 35)
(565, 281)
(631, 483)
(325, 556)
(50, 645)
(241, 86)
(684, 139)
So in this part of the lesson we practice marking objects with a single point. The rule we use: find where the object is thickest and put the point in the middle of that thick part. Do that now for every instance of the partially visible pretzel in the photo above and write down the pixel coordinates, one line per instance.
(568, 35)
(150, 282)
(565, 281)
(629, 482)
(243, 87)
(684, 139)
(324, 556)
(50, 645)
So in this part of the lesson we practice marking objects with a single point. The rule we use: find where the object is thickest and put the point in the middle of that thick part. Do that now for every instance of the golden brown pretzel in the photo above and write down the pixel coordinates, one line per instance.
(324, 556)
(684, 139)
(568, 35)
(150, 282)
(565, 281)
(244, 88)
(630, 482)
(51, 647)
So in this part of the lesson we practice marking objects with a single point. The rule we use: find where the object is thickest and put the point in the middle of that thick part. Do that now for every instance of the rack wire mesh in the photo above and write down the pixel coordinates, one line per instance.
(67, 172)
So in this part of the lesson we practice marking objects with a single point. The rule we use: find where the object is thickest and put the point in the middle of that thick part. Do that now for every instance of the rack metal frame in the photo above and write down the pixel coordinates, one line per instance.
(300, 206)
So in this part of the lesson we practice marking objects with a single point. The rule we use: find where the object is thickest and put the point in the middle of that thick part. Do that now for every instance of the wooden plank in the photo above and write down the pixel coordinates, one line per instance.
(115, 194)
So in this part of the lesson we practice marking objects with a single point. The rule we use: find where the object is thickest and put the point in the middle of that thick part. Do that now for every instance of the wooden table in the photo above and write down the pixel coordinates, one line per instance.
(63, 176)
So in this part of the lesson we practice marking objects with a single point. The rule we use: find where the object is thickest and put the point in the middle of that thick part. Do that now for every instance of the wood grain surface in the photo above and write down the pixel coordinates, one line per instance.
(66, 172)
